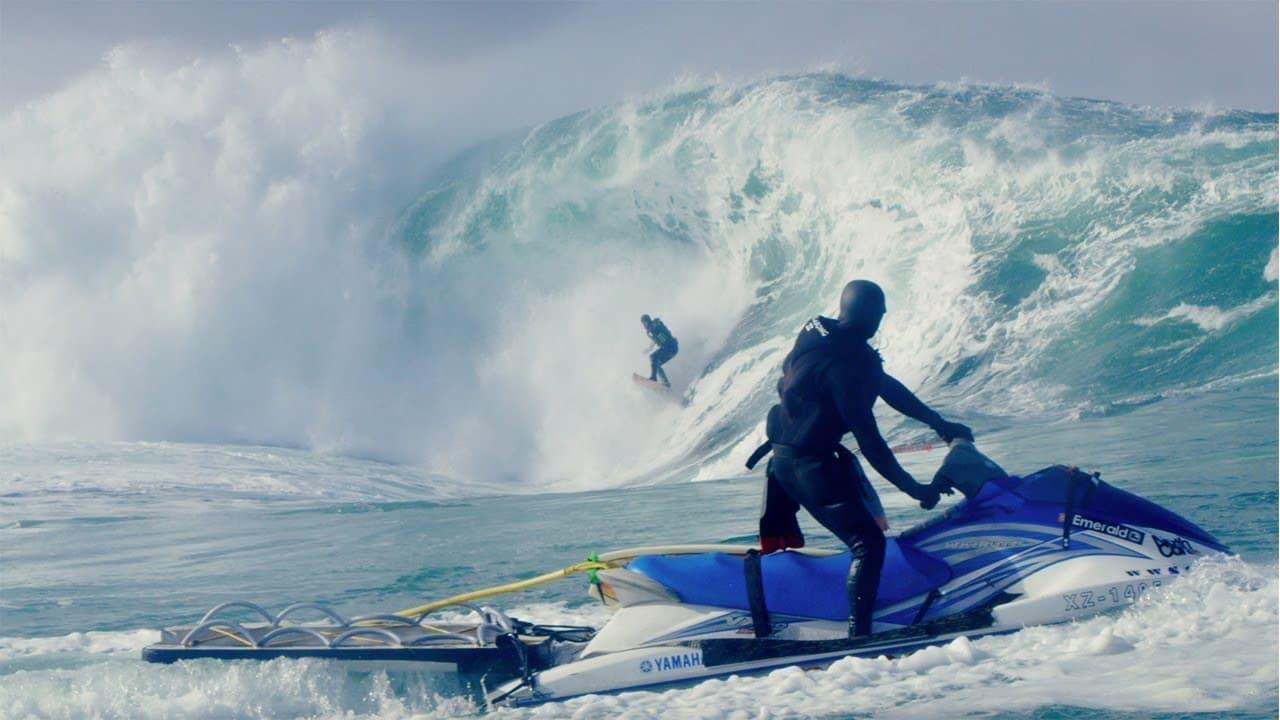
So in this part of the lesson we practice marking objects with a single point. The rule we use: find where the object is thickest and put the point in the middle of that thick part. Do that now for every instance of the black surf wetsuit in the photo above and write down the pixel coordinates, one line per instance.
(667, 349)
(830, 382)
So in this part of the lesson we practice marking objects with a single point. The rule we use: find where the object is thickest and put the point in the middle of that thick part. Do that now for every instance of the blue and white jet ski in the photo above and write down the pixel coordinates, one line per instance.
(1052, 546)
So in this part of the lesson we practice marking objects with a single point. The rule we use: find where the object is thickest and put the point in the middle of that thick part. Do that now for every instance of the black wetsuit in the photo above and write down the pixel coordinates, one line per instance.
(667, 349)
(830, 382)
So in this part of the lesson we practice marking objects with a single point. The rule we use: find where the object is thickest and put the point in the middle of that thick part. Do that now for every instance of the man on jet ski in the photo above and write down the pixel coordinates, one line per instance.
(830, 382)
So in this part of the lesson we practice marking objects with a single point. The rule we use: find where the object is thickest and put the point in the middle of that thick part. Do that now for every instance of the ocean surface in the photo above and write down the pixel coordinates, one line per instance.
(279, 365)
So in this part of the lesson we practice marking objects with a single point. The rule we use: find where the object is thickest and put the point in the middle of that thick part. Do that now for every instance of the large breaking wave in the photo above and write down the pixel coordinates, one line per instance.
(222, 252)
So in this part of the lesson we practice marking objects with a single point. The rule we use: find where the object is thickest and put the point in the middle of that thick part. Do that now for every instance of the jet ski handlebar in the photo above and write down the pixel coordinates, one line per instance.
(965, 469)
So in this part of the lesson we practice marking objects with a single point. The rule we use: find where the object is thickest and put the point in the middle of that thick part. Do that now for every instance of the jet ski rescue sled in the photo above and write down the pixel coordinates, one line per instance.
(1055, 545)
(481, 647)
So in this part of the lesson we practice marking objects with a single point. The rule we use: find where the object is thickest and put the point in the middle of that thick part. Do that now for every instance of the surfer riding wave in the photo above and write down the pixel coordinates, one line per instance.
(665, 346)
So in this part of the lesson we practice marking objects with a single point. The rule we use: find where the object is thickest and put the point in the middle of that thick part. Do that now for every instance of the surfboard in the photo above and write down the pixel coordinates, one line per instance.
(646, 382)
(661, 390)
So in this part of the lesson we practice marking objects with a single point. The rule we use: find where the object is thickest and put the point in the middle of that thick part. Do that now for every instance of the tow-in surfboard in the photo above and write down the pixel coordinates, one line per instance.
(646, 382)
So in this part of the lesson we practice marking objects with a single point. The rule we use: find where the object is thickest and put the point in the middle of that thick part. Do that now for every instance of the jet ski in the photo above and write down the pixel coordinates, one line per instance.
(1055, 545)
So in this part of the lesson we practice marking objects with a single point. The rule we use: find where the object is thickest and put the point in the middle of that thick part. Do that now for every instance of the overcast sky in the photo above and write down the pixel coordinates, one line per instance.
(573, 55)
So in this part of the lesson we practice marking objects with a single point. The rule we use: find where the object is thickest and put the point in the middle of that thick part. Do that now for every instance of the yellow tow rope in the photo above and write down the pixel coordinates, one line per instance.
(507, 588)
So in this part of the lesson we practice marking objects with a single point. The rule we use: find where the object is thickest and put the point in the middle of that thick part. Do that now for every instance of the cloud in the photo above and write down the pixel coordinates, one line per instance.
(526, 62)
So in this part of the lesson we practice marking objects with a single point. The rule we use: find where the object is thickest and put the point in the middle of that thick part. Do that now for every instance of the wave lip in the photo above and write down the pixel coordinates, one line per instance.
(1019, 235)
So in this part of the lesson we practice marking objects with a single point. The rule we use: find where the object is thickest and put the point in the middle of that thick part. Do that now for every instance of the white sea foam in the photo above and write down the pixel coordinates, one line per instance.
(1209, 318)
(85, 643)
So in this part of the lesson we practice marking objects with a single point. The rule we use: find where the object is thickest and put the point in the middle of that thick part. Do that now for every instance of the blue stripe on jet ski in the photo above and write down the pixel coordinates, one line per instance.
(972, 595)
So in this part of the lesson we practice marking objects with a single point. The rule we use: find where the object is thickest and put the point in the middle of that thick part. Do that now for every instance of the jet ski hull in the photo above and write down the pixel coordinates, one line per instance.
(1056, 546)
(717, 643)
(682, 663)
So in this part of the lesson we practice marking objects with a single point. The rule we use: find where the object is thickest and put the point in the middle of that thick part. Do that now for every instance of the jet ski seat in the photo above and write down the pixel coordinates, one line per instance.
(794, 583)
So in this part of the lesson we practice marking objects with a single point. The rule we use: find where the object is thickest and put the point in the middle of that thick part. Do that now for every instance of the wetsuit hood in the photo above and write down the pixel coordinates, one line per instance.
(861, 308)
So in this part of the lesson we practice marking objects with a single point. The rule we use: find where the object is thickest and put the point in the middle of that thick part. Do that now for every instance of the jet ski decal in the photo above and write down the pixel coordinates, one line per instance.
(1124, 532)
(667, 663)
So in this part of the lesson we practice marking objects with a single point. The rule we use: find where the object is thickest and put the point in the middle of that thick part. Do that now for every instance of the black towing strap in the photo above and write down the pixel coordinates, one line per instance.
(1076, 480)
(755, 594)
(758, 454)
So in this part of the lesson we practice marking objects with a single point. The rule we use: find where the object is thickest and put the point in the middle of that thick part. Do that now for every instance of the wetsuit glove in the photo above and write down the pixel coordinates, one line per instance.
(949, 431)
(942, 485)
(926, 494)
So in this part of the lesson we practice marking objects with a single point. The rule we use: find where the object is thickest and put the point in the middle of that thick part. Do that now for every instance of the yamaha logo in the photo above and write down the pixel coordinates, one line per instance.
(667, 663)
